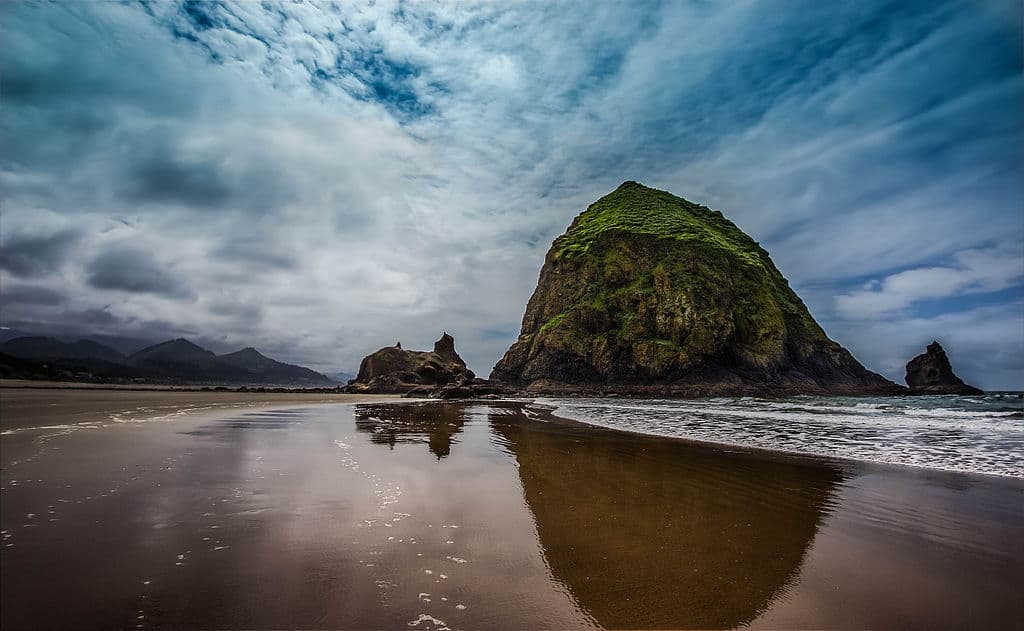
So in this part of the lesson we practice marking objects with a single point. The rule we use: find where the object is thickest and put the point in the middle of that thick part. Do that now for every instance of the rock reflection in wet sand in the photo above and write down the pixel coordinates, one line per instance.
(647, 534)
(437, 423)
(440, 515)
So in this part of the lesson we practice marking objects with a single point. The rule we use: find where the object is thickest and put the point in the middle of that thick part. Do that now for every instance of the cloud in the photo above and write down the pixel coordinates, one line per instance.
(33, 255)
(321, 180)
(30, 295)
(165, 180)
(132, 270)
(255, 253)
(975, 271)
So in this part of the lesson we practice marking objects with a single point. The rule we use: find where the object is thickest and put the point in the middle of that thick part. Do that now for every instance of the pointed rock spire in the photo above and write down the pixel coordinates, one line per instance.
(445, 349)
(931, 373)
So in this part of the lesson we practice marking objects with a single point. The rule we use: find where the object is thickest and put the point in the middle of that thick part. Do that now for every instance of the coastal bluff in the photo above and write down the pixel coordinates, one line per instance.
(931, 373)
(394, 370)
(648, 294)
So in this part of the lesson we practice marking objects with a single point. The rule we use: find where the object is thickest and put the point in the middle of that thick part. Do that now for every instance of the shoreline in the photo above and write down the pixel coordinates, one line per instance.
(251, 400)
(477, 514)
(691, 392)
(23, 409)
(43, 384)
(781, 455)
(726, 446)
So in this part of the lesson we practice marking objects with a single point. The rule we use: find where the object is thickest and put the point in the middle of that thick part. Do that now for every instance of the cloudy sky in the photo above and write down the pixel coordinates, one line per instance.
(322, 180)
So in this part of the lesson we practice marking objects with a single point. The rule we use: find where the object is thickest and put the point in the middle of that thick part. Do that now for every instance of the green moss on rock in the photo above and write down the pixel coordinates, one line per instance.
(646, 288)
(636, 209)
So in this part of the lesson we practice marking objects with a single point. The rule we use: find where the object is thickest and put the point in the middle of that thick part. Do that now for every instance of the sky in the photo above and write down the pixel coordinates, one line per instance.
(322, 180)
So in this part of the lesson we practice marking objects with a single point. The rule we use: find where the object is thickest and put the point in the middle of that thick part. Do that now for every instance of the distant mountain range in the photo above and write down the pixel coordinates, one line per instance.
(174, 361)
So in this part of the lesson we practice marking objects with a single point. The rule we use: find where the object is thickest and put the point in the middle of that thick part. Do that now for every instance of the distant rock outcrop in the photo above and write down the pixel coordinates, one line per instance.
(931, 373)
(649, 294)
(393, 370)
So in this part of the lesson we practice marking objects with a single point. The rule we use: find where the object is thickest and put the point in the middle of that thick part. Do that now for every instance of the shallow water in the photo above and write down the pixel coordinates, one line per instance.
(432, 516)
(975, 434)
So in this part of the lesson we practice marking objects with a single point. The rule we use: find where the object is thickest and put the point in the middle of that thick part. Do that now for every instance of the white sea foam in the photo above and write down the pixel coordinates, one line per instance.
(980, 434)
(439, 625)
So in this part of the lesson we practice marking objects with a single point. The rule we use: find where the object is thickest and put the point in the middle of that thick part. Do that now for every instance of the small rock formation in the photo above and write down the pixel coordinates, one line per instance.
(649, 294)
(445, 348)
(394, 370)
(931, 373)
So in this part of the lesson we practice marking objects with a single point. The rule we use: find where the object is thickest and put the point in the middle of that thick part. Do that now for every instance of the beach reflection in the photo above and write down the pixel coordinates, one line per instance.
(437, 424)
(297, 518)
(654, 533)
(643, 532)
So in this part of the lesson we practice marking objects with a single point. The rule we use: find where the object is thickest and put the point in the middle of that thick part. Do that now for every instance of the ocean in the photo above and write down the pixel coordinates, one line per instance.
(976, 434)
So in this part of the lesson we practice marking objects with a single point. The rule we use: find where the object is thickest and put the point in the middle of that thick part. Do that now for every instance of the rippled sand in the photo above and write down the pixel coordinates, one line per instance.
(433, 516)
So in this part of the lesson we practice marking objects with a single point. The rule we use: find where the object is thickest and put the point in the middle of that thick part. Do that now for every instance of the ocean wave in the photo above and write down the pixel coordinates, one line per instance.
(970, 434)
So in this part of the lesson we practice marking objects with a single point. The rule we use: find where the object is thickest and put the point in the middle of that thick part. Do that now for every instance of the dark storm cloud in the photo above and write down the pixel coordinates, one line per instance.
(135, 271)
(163, 172)
(93, 318)
(30, 255)
(47, 320)
(65, 89)
(163, 180)
(30, 295)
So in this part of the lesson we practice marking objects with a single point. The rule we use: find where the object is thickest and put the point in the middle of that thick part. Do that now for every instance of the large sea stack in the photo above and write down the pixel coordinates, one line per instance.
(931, 373)
(649, 294)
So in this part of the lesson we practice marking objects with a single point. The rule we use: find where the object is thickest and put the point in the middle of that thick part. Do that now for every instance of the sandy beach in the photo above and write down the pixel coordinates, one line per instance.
(306, 513)
(62, 403)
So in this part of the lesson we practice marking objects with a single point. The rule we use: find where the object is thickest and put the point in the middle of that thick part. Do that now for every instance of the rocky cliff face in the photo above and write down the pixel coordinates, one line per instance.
(648, 293)
(931, 373)
(395, 370)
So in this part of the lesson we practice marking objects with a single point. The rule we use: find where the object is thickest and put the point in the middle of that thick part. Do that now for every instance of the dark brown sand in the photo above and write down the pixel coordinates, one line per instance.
(432, 515)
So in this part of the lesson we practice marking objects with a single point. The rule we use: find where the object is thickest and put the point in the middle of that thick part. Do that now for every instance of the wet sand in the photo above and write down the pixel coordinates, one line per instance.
(487, 515)
(60, 404)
